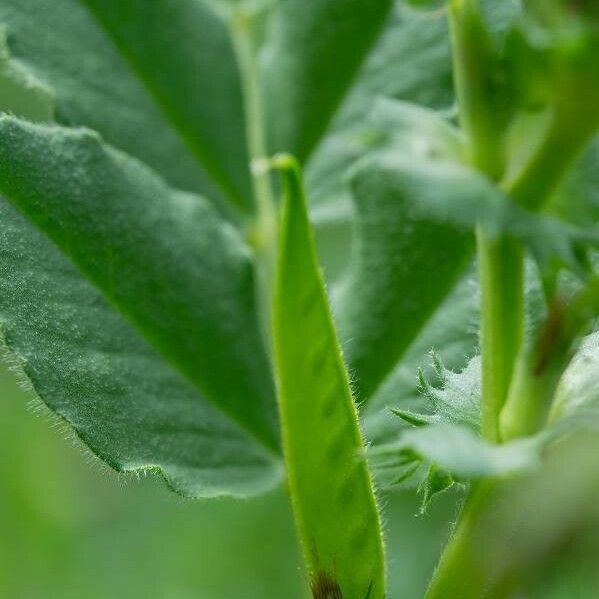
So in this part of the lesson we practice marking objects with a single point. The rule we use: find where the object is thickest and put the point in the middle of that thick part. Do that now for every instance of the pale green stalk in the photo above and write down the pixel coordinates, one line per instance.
(263, 229)
(501, 274)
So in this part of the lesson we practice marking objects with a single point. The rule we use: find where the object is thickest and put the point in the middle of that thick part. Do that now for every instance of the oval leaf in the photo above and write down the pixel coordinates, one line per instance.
(165, 262)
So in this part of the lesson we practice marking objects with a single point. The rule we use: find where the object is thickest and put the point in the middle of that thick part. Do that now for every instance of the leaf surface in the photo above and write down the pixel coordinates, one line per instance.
(20, 92)
(182, 52)
(330, 484)
(93, 369)
(577, 396)
(461, 452)
(163, 260)
(452, 334)
(410, 62)
(455, 398)
(311, 57)
(416, 218)
(99, 85)
(397, 278)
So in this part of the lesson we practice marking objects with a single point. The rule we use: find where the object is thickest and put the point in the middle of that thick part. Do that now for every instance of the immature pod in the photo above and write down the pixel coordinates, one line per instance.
(329, 481)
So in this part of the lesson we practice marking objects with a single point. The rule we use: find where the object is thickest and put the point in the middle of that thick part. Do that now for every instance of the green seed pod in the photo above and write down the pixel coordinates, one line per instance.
(330, 486)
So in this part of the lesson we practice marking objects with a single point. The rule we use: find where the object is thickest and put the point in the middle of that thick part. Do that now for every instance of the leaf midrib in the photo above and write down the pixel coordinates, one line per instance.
(148, 338)
(209, 167)
(189, 141)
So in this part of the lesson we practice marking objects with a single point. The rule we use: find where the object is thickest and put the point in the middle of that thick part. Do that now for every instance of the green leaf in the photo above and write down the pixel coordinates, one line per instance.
(447, 435)
(311, 57)
(195, 81)
(425, 4)
(577, 200)
(436, 482)
(464, 454)
(163, 259)
(411, 61)
(452, 395)
(452, 378)
(390, 292)
(108, 87)
(93, 369)
(452, 333)
(20, 92)
(472, 200)
(501, 17)
(456, 399)
(460, 452)
(577, 396)
(330, 484)
(411, 130)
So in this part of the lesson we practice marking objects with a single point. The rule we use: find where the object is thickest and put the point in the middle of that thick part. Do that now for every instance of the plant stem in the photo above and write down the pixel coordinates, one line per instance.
(565, 139)
(459, 574)
(264, 228)
(544, 361)
(501, 280)
(532, 388)
(502, 325)
(500, 258)
(474, 65)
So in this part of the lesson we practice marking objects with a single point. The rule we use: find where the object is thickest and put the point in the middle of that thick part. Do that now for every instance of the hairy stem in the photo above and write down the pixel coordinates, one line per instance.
(534, 383)
(502, 316)
(501, 282)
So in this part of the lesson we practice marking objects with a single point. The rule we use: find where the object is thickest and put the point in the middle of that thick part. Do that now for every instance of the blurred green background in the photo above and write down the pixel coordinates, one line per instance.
(70, 527)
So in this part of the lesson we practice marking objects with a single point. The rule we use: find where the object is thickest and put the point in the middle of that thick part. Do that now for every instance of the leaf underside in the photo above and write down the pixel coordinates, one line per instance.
(396, 280)
(94, 308)
(95, 85)
(92, 368)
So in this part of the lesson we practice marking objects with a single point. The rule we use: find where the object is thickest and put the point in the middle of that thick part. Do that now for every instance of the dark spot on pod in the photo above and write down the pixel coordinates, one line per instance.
(309, 301)
(337, 444)
(330, 402)
(350, 487)
(320, 359)
(324, 586)
(360, 538)
(334, 450)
